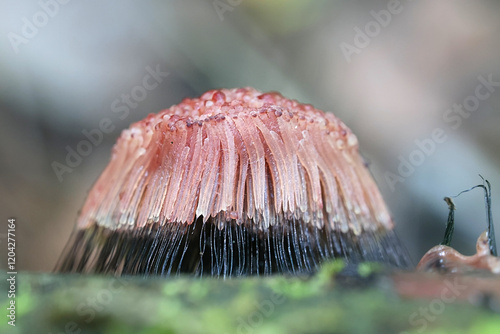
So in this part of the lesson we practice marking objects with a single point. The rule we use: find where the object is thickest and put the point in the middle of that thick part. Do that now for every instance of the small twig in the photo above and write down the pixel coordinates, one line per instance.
(450, 224)
(487, 201)
(491, 228)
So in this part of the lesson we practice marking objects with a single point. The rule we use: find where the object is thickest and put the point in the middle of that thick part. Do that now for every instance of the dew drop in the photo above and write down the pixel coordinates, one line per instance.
(219, 97)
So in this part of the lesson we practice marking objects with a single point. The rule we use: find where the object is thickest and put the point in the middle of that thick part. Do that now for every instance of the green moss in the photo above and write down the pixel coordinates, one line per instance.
(198, 290)
(366, 269)
(175, 287)
(318, 304)
(489, 324)
(217, 320)
(155, 330)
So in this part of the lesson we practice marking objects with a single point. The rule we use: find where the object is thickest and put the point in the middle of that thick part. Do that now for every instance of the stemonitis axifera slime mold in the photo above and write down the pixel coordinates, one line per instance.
(235, 182)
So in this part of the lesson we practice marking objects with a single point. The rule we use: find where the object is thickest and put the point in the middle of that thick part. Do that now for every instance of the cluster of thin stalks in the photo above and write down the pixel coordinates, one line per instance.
(204, 248)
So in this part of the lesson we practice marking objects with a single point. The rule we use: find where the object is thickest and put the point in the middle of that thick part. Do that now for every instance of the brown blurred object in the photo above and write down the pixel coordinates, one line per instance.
(445, 259)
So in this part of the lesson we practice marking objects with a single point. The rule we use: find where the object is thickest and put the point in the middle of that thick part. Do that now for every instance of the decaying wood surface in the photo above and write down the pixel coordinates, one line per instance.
(338, 299)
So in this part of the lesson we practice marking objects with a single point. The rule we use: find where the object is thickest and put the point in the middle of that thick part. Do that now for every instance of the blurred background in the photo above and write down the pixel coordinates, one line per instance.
(395, 72)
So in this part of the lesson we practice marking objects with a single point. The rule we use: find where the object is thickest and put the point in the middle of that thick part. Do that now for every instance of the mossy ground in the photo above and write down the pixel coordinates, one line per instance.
(335, 300)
